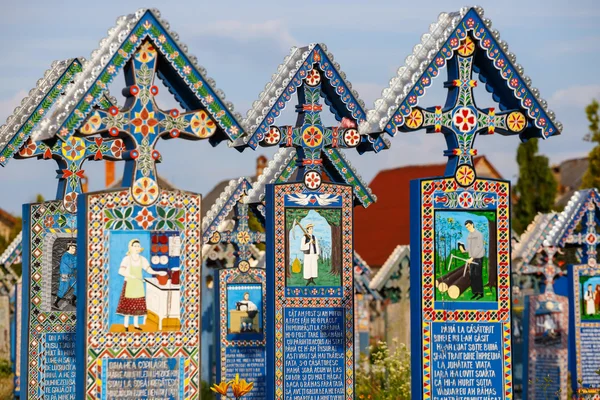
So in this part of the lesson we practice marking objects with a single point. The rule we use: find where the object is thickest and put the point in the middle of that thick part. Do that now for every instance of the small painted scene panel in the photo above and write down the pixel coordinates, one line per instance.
(589, 299)
(313, 247)
(546, 329)
(465, 256)
(64, 274)
(144, 281)
(244, 308)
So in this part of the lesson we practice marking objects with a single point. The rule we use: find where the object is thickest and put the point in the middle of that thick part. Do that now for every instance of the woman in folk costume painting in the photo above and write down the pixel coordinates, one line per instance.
(133, 296)
(590, 307)
(310, 248)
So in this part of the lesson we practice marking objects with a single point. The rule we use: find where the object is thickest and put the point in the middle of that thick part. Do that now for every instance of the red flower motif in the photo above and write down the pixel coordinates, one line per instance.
(144, 218)
(29, 149)
(454, 42)
(470, 22)
(144, 122)
(117, 148)
(465, 120)
(439, 61)
(49, 221)
(313, 136)
(514, 82)
(500, 63)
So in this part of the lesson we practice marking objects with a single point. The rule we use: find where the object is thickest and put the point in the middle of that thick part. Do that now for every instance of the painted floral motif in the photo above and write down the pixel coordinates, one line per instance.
(312, 136)
(70, 202)
(202, 125)
(465, 199)
(146, 53)
(73, 149)
(145, 191)
(273, 136)
(29, 149)
(144, 218)
(415, 119)
(117, 148)
(312, 180)
(49, 221)
(170, 218)
(92, 124)
(351, 137)
(465, 175)
(313, 78)
(516, 121)
(465, 119)
(144, 122)
(467, 47)
(243, 237)
(118, 218)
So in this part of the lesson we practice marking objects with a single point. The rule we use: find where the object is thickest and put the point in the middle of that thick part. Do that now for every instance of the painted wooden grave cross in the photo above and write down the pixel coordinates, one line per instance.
(241, 237)
(70, 156)
(310, 137)
(140, 123)
(461, 120)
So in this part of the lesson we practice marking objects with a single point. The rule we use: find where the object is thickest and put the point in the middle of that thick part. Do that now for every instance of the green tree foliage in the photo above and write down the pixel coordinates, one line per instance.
(536, 187)
(591, 178)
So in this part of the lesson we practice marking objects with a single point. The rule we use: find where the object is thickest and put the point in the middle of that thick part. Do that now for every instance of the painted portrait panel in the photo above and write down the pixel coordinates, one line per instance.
(314, 247)
(64, 274)
(144, 281)
(464, 270)
(589, 301)
(244, 308)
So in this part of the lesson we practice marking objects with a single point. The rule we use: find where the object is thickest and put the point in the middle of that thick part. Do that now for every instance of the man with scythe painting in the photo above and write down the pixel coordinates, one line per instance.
(309, 245)
(476, 250)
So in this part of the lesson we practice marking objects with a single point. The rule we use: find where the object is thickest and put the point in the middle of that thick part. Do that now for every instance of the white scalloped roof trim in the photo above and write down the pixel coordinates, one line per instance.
(11, 247)
(565, 217)
(30, 102)
(384, 272)
(270, 174)
(416, 63)
(218, 205)
(100, 58)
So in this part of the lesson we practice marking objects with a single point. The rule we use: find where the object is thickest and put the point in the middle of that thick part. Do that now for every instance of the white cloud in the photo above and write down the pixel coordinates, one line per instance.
(247, 32)
(575, 96)
(7, 106)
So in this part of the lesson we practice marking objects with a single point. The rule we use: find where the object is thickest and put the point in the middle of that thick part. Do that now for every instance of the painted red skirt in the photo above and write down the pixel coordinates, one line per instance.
(131, 306)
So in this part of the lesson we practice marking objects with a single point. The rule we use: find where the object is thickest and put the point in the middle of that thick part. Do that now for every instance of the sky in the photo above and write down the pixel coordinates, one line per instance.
(241, 44)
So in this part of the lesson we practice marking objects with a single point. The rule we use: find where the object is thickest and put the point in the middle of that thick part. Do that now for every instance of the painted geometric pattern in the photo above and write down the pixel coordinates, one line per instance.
(118, 211)
(46, 219)
(473, 24)
(346, 301)
(581, 270)
(430, 191)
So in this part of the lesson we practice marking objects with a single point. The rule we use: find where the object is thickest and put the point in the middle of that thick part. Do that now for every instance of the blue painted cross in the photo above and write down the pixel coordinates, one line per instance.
(460, 120)
(310, 137)
(70, 156)
(140, 123)
(241, 237)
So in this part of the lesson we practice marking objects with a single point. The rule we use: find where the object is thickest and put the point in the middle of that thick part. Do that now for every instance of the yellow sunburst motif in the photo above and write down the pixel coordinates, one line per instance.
(465, 175)
(516, 121)
(466, 47)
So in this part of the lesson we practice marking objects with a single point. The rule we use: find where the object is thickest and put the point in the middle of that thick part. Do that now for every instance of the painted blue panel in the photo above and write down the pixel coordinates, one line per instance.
(250, 363)
(314, 353)
(142, 378)
(467, 360)
(58, 351)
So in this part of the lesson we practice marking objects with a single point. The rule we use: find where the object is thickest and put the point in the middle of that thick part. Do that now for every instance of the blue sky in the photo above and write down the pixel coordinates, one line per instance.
(242, 43)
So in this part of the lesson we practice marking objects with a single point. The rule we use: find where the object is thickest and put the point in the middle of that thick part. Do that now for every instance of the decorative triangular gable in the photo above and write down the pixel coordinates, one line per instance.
(24, 119)
(581, 204)
(497, 68)
(363, 276)
(343, 102)
(392, 267)
(177, 69)
(231, 195)
(337, 167)
(532, 240)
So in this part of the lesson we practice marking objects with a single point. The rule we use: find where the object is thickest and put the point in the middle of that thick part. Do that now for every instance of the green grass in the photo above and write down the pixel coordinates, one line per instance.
(489, 294)
(324, 278)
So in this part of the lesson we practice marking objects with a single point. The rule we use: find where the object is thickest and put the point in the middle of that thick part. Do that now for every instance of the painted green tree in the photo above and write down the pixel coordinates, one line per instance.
(591, 178)
(536, 187)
